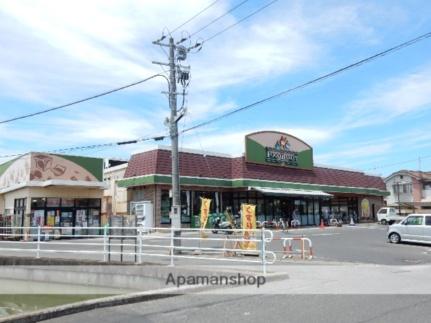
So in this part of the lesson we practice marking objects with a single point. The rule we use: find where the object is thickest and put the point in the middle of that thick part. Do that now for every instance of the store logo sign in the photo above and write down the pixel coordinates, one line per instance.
(278, 149)
(281, 153)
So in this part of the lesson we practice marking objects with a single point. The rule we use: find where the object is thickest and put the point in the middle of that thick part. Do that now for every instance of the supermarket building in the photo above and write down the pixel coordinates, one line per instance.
(50, 190)
(276, 173)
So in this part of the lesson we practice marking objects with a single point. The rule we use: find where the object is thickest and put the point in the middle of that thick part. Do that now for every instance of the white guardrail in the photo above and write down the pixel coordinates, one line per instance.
(188, 245)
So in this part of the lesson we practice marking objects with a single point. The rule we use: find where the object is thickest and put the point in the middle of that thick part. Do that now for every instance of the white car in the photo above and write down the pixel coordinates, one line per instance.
(388, 215)
(414, 228)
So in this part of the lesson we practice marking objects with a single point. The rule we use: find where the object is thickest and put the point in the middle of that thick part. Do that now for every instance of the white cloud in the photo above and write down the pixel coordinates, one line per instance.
(55, 51)
(372, 153)
(69, 46)
(392, 99)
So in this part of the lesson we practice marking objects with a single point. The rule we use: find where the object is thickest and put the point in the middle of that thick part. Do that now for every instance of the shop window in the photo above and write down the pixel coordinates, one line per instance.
(310, 212)
(226, 198)
(94, 202)
(185, 207)
(38, 218)
(19, 211)
(326, 213)
(242, 195)
(38, 202)
(165, 207)
(260, 208)
(252, 195)
(269, 208)
(81, 202)
(277, 209)
(197, 201)
(67, 202)
(52, 218)
(236, 206)
(66, 222)
(252, 201)
(52, 202)
(301, 212)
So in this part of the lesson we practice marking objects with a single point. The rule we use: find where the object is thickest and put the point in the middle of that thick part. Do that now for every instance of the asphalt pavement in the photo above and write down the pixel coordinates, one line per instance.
(265, 308)
(359, 244)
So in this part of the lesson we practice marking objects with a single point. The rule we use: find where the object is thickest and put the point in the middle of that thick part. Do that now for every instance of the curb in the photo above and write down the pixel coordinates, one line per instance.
(57, 311)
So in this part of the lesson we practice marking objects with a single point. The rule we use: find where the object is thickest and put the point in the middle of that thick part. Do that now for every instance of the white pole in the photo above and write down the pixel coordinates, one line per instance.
(105, 247)
(38, 242)
(140, 247)
(263, 251)
(172, 247)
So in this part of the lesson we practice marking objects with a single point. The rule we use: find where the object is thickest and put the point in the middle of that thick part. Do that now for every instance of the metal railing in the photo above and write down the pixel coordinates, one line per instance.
(288, 249)
(198, 244)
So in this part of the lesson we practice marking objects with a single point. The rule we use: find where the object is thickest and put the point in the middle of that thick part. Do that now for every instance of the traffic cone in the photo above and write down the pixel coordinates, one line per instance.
(322, 225)
(352, 223)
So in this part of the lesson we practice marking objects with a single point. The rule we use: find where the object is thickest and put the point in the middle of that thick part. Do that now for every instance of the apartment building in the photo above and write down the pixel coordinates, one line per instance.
(410, 191)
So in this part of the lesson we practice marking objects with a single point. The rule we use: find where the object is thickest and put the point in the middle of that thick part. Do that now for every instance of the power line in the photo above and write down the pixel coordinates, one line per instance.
(239, 21)
(80, 101)
(215, 20)
(399, 163)
(318, 79)
(96, 146)
(194, 16)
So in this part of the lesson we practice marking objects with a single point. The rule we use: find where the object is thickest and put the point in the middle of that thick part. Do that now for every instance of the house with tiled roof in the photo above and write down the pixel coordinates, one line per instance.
(276, 173)
(410, 191)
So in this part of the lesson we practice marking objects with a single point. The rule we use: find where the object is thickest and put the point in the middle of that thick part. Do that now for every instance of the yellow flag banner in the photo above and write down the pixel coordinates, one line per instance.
(205, 210)
(248, 213)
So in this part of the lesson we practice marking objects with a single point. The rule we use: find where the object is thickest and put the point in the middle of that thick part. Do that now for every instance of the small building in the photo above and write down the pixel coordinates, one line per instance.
(276, 173)
(410, 191)
(51, 190)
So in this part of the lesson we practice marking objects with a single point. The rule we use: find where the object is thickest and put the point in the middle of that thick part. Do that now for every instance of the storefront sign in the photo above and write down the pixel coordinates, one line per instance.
(248, 213)
(276, 148)
(205, 210)
(274, 155)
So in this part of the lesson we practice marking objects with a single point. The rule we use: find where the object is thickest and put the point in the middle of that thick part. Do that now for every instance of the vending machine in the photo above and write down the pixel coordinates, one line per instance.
(143, 211)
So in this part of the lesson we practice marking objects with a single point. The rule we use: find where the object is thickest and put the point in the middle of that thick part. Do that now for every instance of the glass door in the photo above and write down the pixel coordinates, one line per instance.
(66, 222)
(81, 223)
(94, 221)
(52, 220)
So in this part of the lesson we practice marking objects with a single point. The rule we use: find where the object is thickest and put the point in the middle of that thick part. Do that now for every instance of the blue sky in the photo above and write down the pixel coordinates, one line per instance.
(378, 114)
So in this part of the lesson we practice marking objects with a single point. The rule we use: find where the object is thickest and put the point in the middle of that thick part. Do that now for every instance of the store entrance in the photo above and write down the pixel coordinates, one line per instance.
(287, 207)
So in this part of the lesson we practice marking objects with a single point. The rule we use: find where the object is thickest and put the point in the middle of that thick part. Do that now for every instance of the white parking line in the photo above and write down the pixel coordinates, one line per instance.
(324, 234)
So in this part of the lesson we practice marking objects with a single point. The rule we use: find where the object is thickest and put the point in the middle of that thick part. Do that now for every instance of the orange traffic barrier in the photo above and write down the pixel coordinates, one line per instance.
(322, 225)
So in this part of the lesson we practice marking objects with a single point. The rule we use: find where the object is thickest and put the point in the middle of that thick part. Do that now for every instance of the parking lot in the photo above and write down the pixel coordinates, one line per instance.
(359, 244)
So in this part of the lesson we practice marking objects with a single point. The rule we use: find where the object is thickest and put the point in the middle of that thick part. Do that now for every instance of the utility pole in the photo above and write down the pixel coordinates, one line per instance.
(179, 53)
(173, 128)
(399, 203)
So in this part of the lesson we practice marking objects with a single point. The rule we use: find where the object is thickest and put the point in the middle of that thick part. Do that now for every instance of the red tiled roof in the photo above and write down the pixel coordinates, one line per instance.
(142, 164)
(193, 164)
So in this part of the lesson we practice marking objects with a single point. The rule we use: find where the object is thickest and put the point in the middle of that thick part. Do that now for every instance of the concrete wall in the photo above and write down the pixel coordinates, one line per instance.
(9, 199)
(115, 199)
